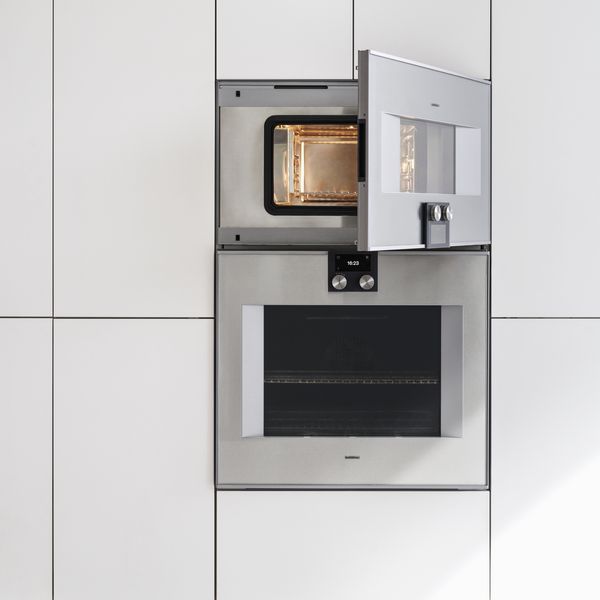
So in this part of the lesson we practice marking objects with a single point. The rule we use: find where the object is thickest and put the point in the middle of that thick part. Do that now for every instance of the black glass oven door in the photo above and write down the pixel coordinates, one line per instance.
(352, 370)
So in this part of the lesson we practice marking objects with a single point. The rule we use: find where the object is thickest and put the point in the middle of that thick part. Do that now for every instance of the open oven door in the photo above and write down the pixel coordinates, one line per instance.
(424, 156)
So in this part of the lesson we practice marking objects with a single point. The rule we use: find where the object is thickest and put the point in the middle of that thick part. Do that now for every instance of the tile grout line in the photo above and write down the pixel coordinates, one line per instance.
(490, 308)
(52, 289)
(52, 453)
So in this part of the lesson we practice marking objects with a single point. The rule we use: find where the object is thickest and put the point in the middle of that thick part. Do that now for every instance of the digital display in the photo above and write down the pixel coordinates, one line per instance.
(353, 262)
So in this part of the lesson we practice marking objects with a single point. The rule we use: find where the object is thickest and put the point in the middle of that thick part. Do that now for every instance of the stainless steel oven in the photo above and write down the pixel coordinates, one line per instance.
(397, 160)
(337, 368)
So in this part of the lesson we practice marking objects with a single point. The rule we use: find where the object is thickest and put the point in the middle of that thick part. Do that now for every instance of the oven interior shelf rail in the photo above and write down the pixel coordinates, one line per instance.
(352, 378)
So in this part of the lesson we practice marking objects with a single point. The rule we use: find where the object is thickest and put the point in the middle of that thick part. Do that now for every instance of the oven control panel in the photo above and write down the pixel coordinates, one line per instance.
(437, 224)
(352, 272)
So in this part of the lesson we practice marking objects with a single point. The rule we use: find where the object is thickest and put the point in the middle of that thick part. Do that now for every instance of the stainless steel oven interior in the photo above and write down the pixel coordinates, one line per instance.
(322, 388)
(310, 164)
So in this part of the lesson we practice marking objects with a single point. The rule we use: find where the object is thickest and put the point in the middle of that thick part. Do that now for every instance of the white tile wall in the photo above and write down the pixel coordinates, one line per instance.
(134, 158)
(133, 459)
(26, 158)
(545, 458)
(284, 39)
(25, 459)
(452, 35)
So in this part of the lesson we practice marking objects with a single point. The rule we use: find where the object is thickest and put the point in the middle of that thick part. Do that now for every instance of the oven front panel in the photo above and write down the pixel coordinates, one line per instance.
(318, 388)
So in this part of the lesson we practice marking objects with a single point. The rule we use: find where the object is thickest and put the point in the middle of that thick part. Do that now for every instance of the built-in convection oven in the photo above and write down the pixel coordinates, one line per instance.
(337, 368)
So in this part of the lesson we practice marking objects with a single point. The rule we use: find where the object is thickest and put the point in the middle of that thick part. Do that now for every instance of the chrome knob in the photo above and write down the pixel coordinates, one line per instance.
(436, 212)
(366, 282)
(448, 214)
(339, 282)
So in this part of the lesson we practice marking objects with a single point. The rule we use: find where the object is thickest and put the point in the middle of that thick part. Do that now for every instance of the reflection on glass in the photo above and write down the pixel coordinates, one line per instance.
(352, 370)
(315, 164)
(407, 158)
(422, 157)
(426, 157)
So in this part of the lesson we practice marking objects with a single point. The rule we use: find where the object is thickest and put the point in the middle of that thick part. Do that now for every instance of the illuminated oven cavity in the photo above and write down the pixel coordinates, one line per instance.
(315, 165)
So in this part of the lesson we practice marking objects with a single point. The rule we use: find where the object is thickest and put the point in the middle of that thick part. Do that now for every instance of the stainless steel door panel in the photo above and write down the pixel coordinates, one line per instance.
(300, 278)
(391, 89)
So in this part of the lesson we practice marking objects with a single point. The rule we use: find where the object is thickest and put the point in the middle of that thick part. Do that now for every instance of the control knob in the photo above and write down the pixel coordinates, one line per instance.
(448, 214)
(436, 212)
(366, 282)
(339, 282)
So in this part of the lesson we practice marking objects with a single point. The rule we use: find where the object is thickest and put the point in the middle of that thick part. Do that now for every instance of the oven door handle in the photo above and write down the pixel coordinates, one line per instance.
(362, 150)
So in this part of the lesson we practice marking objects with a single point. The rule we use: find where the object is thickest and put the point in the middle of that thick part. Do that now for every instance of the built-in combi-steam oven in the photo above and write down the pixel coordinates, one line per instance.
(352, 280)
(399, 159)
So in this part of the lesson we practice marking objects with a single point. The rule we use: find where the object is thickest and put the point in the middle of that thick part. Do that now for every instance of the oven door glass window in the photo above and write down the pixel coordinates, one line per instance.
(352, 371)
(423, 157)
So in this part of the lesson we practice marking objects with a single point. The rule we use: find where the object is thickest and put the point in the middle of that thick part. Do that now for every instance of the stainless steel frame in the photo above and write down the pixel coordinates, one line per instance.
(248, 280)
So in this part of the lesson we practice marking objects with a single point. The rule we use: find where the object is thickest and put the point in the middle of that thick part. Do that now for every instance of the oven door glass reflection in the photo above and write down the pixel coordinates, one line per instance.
(352, 370)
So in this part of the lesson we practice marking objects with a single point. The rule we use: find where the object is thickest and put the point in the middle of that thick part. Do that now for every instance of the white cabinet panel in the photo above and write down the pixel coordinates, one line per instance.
(545, 159)
(284, 39)
(133, 495)
(452, 35)
(352, 545)
(545, 458)
(26, 459)
(134, 146)
(26, 158)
